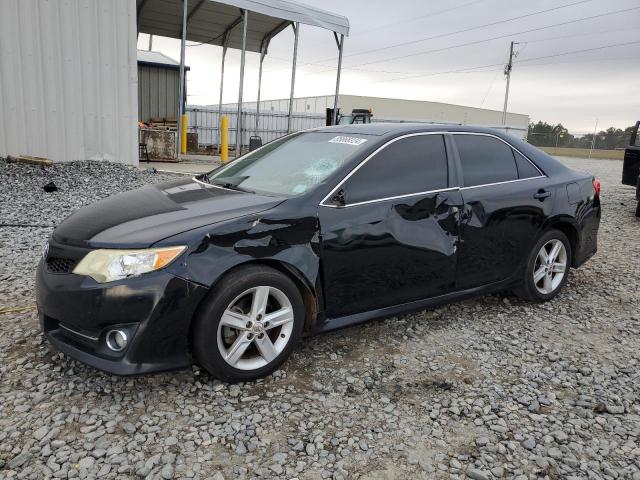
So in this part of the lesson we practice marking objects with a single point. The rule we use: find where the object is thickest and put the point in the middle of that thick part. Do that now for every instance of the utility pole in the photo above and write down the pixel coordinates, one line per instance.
(593, 140)
(507, 72)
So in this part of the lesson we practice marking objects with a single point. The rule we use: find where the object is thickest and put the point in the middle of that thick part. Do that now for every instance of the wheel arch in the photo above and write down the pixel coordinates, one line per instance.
(566, 225)
(307, 290)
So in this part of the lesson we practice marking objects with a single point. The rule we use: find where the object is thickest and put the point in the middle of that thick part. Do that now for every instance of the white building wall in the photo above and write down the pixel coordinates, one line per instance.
(394, 109)
(68, 79)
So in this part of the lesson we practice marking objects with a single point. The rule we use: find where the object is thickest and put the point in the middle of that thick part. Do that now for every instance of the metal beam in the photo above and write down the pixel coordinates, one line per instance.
(263, 52)
(195, 9)
(340, 44)
(138, 12)
(281, 26)
(296, 30)
(245, 14)
(181, 90)
(264, 47)
(231, 26)
(225, 44)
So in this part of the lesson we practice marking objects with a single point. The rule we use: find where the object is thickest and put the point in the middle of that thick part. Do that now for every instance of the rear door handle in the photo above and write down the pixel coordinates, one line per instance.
(542, 194)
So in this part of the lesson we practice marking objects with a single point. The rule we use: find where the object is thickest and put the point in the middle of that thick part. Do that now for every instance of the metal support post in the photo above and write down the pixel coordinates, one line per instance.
(181, 89)
(340, 44)
(245, 19)
(296, 30)
(224, 54)
(263, 52)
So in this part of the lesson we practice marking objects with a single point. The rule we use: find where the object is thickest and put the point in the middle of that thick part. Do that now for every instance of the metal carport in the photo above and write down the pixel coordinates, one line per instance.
(239, 24)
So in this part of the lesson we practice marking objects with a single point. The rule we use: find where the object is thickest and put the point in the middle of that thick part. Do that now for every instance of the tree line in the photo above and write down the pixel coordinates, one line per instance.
(542, 134)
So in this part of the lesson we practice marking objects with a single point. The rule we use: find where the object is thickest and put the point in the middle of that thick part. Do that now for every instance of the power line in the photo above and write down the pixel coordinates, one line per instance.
(500, 70)
(592, 60)
(500, 64)
(464, 30)
(573, 35)
(415, 19)
(410, 20)
(486, 94)
(466, 44)
(476, 42)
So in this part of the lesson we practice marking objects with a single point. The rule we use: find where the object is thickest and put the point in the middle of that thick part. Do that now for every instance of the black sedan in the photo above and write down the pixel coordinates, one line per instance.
(314, 231)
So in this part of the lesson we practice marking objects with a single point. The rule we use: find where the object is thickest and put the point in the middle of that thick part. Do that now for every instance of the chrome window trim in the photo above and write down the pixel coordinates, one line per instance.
(507, 143)
(502, 183)
(369, 157)
(397, 197)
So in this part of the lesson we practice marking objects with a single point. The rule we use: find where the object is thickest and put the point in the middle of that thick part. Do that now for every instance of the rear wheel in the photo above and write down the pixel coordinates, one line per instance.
(547, 267)
(248, 325)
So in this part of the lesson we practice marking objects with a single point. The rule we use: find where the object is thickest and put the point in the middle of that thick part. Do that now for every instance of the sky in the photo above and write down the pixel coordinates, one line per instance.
(578, 61)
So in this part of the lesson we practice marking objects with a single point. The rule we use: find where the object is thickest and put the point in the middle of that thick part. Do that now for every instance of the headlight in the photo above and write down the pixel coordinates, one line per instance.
(108, 265)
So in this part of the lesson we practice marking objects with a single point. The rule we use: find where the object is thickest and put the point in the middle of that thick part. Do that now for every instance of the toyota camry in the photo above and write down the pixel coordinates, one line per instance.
(312, 232)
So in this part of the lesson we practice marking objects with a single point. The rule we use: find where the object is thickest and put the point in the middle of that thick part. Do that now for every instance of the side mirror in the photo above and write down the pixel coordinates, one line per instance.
(339, 198)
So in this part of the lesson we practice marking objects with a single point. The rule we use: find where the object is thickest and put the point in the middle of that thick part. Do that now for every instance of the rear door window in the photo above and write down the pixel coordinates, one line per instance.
(485, 160)
(407, 166)
(525, 167)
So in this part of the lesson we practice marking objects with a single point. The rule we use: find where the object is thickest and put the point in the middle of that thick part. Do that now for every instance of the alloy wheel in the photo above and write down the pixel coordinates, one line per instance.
(255, 328)
(550, 266)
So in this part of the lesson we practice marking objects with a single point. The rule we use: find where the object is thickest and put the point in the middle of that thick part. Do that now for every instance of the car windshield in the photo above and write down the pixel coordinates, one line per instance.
(291, 165)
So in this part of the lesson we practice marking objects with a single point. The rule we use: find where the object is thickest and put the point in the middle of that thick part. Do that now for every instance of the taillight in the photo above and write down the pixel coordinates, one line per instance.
(596, 186)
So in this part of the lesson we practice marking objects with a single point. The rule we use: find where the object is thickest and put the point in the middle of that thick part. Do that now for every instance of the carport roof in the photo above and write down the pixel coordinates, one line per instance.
(209, 20)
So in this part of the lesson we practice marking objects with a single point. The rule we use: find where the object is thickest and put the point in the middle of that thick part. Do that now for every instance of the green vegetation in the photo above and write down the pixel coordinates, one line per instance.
(542, 134)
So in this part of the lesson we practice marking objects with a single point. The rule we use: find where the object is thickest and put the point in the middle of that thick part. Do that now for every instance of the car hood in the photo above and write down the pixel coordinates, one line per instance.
(142, 217)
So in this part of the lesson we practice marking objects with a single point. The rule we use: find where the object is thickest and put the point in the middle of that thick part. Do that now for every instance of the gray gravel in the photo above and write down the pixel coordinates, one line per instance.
(488, 388)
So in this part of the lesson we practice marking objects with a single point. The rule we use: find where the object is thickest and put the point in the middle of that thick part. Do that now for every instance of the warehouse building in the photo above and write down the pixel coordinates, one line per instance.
(311, 112)
(401, 110)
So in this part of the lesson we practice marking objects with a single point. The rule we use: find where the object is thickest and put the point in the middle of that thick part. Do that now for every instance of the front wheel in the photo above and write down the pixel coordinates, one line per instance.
(248, 325)
(547, 267)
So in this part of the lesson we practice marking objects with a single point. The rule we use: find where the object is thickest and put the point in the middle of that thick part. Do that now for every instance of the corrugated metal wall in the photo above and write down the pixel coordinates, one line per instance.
(271, 125)
(68, 79)
(158, 92)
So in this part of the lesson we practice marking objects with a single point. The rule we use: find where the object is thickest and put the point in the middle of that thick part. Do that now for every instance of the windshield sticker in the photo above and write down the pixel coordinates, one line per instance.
(355, 141)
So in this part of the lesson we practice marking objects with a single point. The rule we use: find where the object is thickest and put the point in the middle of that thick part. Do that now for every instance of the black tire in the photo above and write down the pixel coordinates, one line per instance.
(204, 335)
(528, 289)
(638, 209)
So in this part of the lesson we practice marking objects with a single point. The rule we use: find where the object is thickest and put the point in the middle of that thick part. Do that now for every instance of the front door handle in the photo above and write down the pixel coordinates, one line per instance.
(542, 194)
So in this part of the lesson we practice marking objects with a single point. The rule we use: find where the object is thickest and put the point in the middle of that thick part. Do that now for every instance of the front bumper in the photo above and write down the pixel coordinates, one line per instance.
(154, 309)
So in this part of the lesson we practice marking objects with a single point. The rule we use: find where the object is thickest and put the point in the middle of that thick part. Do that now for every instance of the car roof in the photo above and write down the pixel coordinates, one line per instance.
(387, 130)
(398, 128)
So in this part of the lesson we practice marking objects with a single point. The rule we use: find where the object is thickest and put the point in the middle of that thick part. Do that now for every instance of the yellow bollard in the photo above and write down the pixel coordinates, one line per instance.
(183, 135)
(224, 139)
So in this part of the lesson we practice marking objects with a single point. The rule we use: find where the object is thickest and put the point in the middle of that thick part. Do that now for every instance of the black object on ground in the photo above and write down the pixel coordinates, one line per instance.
(50, 187)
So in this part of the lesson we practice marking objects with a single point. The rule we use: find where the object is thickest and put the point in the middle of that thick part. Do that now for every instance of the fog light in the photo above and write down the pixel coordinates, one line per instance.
(117, 340)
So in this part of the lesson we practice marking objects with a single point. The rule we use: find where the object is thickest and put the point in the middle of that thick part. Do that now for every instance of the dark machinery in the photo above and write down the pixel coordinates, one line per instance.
(631, 165)
(358, 115)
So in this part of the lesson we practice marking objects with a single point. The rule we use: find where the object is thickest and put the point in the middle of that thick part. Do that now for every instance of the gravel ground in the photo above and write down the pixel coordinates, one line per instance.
(493, 387)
